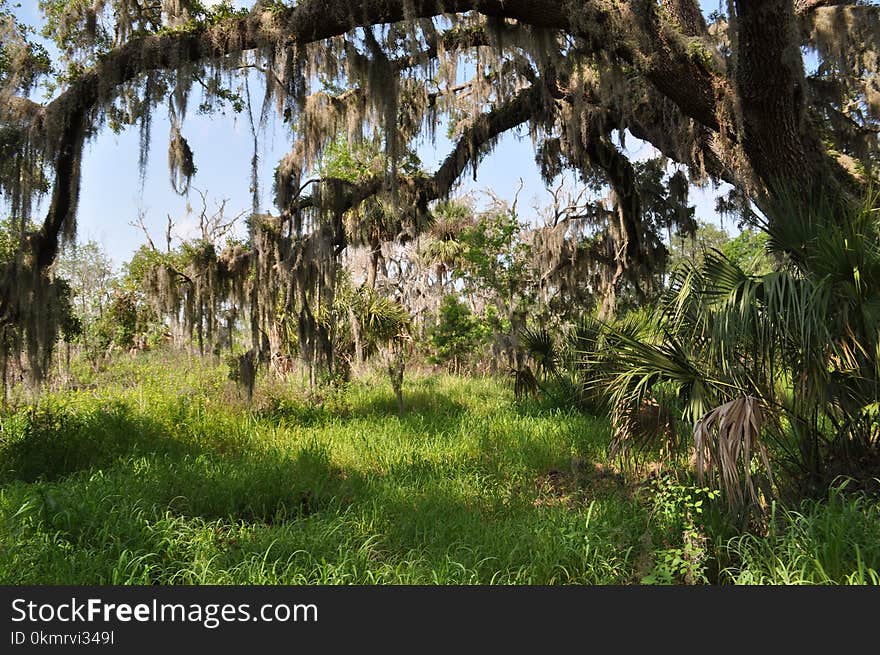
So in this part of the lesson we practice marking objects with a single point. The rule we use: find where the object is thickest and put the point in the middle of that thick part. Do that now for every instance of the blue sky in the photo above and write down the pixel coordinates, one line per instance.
(112, 197)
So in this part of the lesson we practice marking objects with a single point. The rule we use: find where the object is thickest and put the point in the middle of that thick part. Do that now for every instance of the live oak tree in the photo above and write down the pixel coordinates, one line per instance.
(726, 99)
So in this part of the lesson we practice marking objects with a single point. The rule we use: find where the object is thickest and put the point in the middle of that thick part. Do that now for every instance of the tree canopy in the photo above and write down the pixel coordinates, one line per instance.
(726, 97)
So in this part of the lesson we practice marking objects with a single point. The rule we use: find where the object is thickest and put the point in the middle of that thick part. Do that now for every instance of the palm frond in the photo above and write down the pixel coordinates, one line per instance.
(726, 439)
(643, 427)
(524, 383)
(539, 344)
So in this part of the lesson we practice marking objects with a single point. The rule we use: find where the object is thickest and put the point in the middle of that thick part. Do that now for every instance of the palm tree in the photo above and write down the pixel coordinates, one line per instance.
(443, 246)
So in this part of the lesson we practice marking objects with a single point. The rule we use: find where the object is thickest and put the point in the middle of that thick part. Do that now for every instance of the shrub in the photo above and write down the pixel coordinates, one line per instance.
(456, 335)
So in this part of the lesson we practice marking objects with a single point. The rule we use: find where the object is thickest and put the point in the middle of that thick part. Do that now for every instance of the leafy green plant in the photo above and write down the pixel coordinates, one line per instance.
(679, 509)
(456, 335)
(777, 370)
(830, 540)
(540, 346)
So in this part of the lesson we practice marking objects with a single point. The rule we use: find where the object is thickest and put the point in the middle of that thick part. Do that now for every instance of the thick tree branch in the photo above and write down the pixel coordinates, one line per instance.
(688, 16)
(469, 149)
(487, 127)
(768, 79)
(804, 7)
(669, 66)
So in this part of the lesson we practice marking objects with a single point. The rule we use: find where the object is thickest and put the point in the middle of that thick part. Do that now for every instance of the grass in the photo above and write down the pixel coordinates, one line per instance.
(836, 541)
(157, 473)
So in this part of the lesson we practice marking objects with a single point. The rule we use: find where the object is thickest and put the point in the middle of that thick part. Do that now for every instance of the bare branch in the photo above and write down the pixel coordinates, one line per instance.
(168, 229)
(139, 223)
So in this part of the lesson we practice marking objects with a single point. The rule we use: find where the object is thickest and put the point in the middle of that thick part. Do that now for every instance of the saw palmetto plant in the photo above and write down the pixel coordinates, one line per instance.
(775, 372)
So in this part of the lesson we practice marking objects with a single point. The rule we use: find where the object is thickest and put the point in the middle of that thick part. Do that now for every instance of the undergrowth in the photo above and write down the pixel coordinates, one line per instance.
(157, 472)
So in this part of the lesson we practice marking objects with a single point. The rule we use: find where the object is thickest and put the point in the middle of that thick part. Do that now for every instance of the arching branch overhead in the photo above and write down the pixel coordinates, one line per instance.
(728, 97)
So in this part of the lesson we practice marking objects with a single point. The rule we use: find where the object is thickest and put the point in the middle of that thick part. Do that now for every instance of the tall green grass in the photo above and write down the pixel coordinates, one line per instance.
(836, 541)
(157, 472)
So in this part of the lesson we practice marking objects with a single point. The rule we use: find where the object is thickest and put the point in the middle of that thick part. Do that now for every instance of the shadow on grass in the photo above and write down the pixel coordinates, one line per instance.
(300, 412)
(119, 455)
(269, 489)
(418, 403)
(49, 444)
(438, 532)
(150, 518)
(114, 482)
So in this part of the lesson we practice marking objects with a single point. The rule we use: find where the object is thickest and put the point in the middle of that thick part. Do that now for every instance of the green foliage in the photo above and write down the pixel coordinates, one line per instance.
(89, 271)
(137, 269)
(219, 95)
(749, 251)
(108, 311)
(684, 248)
(352, 163)
(698, 52)
(542, 348)
(799, 342)
(494, 257)
(362, 160)
(22, 62)
(665, 198)
(156, 472)
(379, 321)
(492, 262)
(456, 334)
(118, 325)
(75, 29)
(220, 11)
(8, 241)
(380, 318)
(835, 540)
(70, 323)
(678, 515)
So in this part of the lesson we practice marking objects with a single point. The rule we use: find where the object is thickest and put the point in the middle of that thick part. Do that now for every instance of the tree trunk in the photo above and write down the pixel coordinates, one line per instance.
(373, 268)
(781, 143)
(358, 337)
